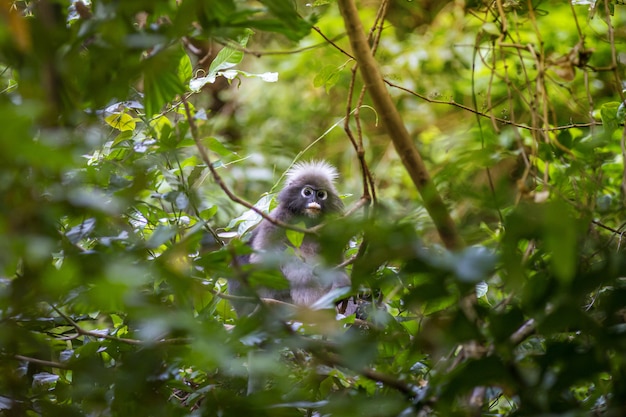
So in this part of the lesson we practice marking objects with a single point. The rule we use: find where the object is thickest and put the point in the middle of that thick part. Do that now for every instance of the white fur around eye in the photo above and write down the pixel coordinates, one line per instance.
(322, 194)
(306, 192)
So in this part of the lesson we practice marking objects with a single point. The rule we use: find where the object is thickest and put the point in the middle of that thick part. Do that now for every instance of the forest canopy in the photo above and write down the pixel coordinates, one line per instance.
(480, 147)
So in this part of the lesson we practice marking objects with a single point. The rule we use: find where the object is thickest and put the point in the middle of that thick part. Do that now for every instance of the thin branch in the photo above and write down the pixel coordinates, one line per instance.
(610, 229)
(99, 335)
(259, 54)
(467, 108)
(393, 124)
(330, 41)
(614, 60)
(363, 201)
(41, 362)
(523, 332)
(220, 182)
(388, 380)
(487, 116)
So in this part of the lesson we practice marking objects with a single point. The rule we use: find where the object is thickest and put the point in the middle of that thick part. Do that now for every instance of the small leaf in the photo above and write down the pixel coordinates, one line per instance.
(66, 355)
(561, 238)
(289, 22)
(121, 121)
(475, 263)
(329, 299)
(491, 28)
(269, 77)
(122, 137)
(182, 201)
(162, 126)
(295, 238)
(77, 233)
(196, 176)
(481, 289)
(45, 378)
(208, 213)
(196, 84)
(621, 112)
(609, 116)
(250, 218)
(161, 79)
(327, 77)
(228, 57)
(218, 147)
(185, 69)
(160, 235)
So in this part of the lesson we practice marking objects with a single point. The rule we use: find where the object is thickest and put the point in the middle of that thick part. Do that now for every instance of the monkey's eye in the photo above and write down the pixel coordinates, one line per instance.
(307, 192)
(322, 194)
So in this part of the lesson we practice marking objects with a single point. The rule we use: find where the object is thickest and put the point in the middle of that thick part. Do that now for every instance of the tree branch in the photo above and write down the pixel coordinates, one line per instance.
(99, 335)
(334, 360)
(470, 109)
(41, 362)
(393, 124)
(220, 182)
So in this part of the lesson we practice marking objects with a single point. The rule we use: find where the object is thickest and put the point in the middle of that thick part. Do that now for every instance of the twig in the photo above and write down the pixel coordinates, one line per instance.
(99, 335)
(334, 360)
(610, 229)
(41, 362)
(362, 202)
(523, 332)
(220, 182)
(259, 54)
(467, 108)
(395, 128)
(479, 113)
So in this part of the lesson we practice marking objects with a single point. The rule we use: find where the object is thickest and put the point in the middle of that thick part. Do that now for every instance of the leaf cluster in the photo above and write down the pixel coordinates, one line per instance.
(126, 159)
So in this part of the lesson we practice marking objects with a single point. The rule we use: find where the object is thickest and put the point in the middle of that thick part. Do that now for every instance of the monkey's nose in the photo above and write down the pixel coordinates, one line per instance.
(313, 209)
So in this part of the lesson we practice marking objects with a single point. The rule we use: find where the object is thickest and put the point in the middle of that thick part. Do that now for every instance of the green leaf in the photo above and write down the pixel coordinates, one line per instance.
(228, 56)
(295, 28)
(122, 122)
(474, 264)
(608, 114)
(294, 237)
(481, 289)
(162, 126)
(185, 69)
(327, 77)
(621, 113)
(491, 28)
(162, 81)
(250, 218)
(209, 213)
(160, 235)
(561, 233)
(218, 147)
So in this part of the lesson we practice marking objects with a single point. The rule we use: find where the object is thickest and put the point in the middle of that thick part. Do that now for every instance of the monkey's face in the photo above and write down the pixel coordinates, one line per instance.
(309, 201)
(313, 200)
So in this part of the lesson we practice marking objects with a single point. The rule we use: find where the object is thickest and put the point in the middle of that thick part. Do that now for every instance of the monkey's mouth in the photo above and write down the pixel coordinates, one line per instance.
(313, 209)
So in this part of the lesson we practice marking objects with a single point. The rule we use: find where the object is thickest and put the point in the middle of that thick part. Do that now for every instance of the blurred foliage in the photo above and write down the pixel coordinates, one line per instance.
(116, 239)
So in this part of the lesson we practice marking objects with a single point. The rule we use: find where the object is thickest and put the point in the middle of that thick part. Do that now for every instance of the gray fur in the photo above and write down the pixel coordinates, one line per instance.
(308, 196)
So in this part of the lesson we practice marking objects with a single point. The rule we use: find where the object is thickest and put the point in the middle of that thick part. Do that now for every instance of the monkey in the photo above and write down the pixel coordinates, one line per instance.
(309, 197)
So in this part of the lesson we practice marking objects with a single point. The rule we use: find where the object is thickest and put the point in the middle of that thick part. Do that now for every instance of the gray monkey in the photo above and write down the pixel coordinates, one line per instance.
(308, 197)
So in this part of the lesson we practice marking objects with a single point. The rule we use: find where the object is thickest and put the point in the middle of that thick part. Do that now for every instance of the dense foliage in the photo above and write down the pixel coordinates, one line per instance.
(134, 132)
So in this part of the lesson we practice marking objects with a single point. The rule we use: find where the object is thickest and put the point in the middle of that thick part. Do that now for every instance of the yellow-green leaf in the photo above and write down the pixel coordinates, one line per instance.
(159, 123)
(122, 122)
(295, 238)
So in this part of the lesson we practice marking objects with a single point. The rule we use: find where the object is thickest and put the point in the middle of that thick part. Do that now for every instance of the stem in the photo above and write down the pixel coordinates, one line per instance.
(392, 122)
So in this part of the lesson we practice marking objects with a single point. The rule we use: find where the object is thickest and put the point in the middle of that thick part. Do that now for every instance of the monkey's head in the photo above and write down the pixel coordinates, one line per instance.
(310, 192)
